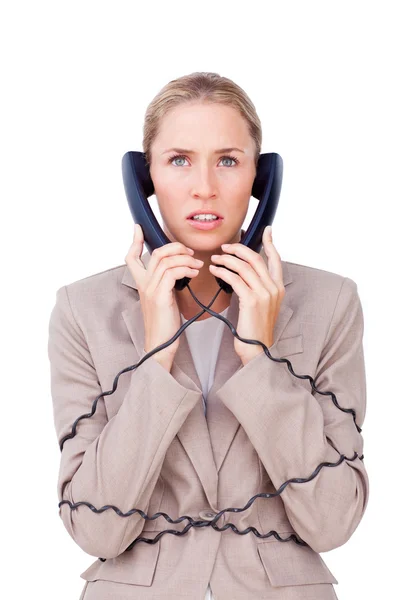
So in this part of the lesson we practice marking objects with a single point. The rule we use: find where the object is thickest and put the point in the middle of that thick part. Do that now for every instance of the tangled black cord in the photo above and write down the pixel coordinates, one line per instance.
(202, 523)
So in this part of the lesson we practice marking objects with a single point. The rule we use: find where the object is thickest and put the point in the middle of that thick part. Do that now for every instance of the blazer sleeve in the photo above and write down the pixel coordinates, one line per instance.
(294, 429)
(108, 462)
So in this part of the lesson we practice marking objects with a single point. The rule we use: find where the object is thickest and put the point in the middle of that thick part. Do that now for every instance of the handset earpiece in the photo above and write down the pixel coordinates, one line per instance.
(266, 189)
(139, 187)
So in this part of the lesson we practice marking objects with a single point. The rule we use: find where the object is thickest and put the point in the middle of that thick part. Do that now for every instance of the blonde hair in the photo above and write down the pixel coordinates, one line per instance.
(203, 87)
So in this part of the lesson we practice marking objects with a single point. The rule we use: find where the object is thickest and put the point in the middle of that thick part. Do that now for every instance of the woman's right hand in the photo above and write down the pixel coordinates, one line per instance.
(155, 285)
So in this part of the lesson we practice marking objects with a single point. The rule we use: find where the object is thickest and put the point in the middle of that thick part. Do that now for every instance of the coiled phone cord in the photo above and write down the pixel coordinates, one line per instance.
(202, 523)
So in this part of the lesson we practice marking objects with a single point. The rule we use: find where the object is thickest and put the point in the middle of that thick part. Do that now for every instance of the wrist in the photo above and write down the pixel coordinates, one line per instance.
(165, 361)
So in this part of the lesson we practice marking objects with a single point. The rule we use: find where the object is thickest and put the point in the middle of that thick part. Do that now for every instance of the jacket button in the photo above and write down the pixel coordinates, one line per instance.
(208, 515)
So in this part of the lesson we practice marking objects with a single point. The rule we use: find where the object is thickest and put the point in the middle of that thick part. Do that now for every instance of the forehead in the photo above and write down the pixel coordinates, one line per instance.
(196, 125)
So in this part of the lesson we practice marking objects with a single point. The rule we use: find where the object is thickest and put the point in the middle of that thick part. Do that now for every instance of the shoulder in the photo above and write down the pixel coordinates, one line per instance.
(311, 284)
(96, 295)
(97, 282)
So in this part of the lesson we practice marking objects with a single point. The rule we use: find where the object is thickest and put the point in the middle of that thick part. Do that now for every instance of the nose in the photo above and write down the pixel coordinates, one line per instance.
(204, 184)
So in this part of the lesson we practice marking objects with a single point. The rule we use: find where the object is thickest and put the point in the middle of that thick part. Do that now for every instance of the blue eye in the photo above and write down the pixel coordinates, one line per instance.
(176, 156)
(235, 160)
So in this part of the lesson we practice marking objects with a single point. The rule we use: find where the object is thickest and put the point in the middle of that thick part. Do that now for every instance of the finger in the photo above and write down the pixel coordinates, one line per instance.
(256, 275)
(170, 276)
(242, 268)
(274, 260)
(138, 243)
(237, 283)
(133, 255)
(171, 268)
(170, 249)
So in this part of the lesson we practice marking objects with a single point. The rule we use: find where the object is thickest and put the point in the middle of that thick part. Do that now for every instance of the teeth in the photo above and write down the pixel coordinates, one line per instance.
(205, 217)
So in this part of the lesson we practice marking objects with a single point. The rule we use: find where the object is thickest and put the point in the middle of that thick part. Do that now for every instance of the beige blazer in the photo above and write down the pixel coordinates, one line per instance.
(149, 445)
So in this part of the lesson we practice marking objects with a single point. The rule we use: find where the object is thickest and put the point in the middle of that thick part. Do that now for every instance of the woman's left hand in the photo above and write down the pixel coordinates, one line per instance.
(260, 290)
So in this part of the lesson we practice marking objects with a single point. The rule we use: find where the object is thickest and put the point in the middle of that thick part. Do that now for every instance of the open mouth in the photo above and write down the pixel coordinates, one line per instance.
(205, 223)
(204, 220)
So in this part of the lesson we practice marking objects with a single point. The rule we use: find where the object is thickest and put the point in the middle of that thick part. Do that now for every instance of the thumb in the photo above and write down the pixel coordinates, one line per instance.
(135, 251)
(138, 242)
(138, 231)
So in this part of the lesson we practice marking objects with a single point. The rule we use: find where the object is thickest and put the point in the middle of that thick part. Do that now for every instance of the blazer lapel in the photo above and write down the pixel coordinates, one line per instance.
(222, 423)
(206, 438)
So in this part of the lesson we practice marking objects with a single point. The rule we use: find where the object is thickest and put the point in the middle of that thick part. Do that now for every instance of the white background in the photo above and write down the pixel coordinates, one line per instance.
(330, 82)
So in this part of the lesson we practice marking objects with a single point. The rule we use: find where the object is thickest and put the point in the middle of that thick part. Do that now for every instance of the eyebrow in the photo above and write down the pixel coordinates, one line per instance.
(183, 151)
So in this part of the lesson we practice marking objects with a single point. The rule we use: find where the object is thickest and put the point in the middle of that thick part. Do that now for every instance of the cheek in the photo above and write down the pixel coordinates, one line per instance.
(169, 201)
(236, 188)
(237, 199)
(167, 185)
(169, 194)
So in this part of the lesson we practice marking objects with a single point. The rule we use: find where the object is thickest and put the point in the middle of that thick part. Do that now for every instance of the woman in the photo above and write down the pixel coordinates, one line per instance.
(208, 422)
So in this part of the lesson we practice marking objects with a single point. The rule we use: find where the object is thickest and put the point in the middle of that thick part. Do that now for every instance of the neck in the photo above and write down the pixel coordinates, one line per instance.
(204, 286)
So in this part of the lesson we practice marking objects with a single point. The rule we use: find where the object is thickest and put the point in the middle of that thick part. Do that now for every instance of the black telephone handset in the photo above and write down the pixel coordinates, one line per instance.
(139, 187)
